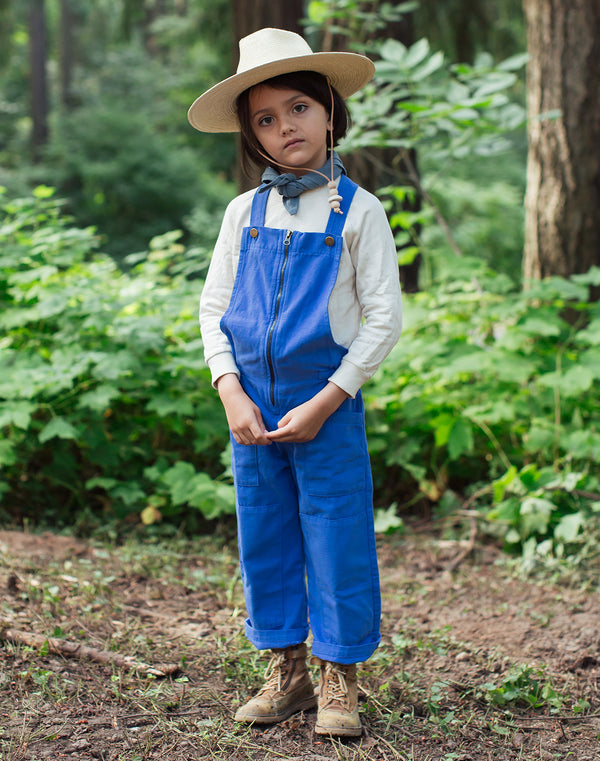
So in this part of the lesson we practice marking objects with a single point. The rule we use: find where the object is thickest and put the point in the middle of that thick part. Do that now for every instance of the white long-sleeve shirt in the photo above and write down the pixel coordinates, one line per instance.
(365, 307)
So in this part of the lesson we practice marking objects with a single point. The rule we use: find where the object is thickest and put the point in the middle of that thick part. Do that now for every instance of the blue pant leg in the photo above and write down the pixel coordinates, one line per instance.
(270, 546)
(336, 511)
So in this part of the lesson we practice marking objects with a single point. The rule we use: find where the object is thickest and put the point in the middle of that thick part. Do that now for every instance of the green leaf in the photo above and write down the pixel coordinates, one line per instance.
(443, 425)
(535, 515)
(101, 483)
(7, 453)
(393, 51)
(165, 405)
(318, 12)
(17, 413)
(388, 521)
(569, 527)
(514, 63)
(57, 428)
(428, 68)
(582, 445)
(99, 399)
(506, 511)
(43, 192)
(502, 484)
(460, 440)
(591, 277)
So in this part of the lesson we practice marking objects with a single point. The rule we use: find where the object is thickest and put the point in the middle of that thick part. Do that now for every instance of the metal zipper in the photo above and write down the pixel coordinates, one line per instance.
(286, 243)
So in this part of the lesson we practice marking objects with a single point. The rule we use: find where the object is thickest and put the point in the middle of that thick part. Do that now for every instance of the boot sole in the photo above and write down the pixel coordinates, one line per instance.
(338, 731)
(304, 705)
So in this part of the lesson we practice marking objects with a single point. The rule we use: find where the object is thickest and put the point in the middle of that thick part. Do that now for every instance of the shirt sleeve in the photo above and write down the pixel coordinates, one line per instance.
(377, 281)
(215, 298)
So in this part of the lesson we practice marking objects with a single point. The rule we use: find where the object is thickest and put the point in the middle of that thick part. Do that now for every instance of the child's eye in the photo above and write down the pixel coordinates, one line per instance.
(265, 121)
(299, 108)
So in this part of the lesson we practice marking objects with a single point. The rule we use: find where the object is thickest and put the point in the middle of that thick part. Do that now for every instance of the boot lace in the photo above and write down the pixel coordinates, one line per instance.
(335, 687)
(274, 673)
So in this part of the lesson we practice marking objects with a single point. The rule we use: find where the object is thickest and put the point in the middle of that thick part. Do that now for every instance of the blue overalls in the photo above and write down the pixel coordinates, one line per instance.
(305, 513)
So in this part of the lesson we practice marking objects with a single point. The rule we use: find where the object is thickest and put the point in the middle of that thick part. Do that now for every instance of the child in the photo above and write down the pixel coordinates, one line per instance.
(300, 306)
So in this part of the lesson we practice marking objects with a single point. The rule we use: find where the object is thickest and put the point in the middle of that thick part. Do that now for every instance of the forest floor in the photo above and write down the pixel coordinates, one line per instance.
(478, 662)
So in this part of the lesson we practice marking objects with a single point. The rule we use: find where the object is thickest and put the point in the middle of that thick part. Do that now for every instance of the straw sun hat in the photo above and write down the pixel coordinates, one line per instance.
(268, 53)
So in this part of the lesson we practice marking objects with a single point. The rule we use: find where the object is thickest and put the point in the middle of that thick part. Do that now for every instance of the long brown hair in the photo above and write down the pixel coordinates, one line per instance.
(310, 83)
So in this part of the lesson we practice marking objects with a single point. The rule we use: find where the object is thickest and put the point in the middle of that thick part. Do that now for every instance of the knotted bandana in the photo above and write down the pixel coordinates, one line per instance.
(290, 187)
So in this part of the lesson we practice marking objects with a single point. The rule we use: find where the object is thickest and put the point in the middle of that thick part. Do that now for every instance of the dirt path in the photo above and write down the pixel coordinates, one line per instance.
(475, 665)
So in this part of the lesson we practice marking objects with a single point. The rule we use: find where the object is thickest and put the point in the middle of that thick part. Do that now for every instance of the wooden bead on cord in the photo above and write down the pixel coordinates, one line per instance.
(334, 197)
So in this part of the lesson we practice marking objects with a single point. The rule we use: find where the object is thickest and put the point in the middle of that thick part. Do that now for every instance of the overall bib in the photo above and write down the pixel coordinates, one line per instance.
(304, 510)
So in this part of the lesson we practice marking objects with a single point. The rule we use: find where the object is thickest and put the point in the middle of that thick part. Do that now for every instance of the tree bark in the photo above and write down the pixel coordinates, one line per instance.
(66, 53)
(251, 15)
(562, 225)
(38, 80)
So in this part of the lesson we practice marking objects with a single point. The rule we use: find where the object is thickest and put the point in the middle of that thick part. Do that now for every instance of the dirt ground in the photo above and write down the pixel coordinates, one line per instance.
(476, 663)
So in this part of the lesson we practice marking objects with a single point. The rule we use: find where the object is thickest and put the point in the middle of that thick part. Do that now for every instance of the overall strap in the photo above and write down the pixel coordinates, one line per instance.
(347, 189)
(259, 206)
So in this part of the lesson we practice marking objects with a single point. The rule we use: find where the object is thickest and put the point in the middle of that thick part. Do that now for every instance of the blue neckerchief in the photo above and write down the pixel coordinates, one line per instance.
(290, 187)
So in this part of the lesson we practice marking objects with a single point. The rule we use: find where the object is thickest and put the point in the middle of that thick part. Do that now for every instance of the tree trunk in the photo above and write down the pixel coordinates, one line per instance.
(38, 81)
(251, 15)
(562, 225)
(66, 53)
(6, 31)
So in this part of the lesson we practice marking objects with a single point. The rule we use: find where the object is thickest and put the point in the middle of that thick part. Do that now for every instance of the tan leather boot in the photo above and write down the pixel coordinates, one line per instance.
(288, 689)
(338, 700)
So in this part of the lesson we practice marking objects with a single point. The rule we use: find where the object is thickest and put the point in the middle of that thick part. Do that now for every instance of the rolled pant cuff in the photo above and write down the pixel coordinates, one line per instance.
(267, 639)
(327, 651)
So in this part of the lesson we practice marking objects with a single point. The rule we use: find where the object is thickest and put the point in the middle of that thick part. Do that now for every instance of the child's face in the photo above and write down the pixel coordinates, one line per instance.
(290, 126)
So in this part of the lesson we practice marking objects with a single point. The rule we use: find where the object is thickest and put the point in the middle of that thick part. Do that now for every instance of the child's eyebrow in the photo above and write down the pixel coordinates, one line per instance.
(285, 103)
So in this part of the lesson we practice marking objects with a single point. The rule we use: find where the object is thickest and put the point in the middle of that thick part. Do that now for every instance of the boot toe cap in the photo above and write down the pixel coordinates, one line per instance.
(337, 723)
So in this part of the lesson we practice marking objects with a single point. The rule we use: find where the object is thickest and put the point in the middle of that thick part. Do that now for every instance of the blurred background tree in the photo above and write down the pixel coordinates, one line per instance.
(111, 134)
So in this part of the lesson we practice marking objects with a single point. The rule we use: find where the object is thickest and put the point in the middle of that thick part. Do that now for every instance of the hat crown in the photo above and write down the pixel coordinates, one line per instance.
(269, 45)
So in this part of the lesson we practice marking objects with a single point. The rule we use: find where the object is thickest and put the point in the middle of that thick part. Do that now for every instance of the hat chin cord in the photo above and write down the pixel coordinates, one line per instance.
(334, 197)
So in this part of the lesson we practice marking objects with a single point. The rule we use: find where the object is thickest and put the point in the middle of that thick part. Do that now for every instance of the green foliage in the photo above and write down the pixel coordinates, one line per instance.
(122, 176)
(105, 402)
(489, 384)
(545, 511)
(356, 20)
(453, 119)
(417, 100)
(523, 686)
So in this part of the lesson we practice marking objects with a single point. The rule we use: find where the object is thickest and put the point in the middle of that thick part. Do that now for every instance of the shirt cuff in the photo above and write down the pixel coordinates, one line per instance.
(221, 364)
(349, 378)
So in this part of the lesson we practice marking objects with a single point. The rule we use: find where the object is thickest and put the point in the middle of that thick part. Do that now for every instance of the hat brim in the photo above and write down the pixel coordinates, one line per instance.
(215, 110)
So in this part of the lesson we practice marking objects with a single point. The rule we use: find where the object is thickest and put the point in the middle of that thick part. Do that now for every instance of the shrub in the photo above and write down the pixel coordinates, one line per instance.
(494, 386)
(105, 401)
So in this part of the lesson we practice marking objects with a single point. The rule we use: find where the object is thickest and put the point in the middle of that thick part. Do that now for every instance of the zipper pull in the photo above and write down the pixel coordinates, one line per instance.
(288, 238)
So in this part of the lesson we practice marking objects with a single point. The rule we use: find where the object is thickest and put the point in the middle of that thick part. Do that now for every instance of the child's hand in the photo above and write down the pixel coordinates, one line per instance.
(304, 422)
(244, 417)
